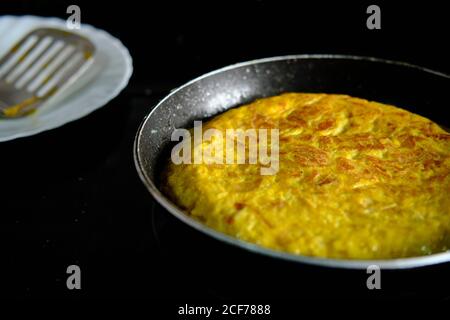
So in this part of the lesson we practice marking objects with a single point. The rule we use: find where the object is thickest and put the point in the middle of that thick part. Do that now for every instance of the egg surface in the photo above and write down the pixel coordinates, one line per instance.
(356, 179)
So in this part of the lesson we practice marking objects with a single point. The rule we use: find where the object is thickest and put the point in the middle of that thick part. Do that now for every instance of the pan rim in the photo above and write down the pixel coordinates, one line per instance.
(390, 264)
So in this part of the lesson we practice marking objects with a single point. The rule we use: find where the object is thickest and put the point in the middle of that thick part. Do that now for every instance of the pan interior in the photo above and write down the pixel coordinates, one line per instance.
(412, 88)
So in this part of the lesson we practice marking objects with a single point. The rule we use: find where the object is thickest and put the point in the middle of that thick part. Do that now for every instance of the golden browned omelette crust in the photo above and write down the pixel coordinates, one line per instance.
(356, 180)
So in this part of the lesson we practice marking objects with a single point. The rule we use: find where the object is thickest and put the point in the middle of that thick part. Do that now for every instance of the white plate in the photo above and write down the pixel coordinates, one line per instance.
(109, 74)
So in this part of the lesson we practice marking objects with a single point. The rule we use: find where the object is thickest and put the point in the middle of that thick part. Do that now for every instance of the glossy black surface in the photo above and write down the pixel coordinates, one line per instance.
(72, 195)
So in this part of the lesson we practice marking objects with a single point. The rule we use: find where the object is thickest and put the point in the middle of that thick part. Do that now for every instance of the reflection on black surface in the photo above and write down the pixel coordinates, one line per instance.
(222, 271)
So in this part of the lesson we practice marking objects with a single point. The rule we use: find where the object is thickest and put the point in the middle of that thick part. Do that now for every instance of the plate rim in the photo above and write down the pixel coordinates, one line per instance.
(123, 52)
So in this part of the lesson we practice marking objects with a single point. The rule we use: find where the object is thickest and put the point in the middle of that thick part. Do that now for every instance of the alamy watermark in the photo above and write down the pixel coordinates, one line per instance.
(232, 146)
(74, 279)
(374, 20)
(73, 22)
(374, 280)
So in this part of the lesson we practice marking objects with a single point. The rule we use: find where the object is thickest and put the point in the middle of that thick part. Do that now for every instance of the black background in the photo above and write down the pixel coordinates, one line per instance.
(72, 195)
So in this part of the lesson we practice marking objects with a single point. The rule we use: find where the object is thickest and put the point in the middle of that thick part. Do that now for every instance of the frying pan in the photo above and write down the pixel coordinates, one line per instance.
(414, 88)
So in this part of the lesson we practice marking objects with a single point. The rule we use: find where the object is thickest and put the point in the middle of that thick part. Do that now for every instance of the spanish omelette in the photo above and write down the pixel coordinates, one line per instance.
(357, 180)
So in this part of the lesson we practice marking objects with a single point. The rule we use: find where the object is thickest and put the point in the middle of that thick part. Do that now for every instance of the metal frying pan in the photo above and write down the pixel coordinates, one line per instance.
(411, 87)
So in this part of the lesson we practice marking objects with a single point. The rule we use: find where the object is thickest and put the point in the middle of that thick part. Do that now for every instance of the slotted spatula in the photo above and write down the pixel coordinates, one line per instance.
(41, 64)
